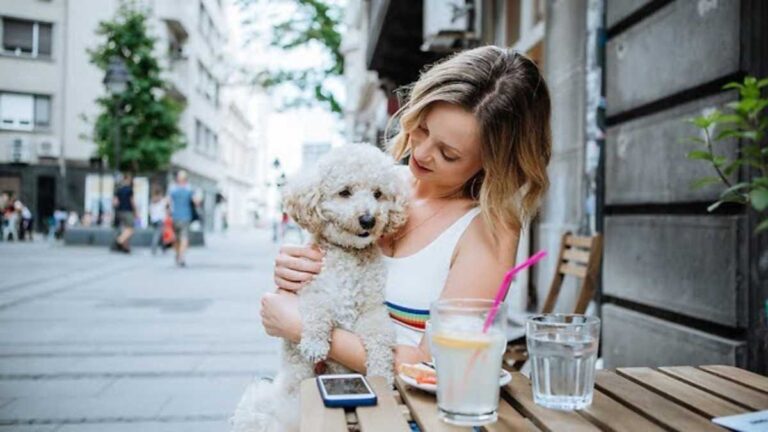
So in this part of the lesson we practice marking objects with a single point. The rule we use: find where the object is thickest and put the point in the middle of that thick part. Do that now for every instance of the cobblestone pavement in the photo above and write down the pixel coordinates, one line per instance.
(95, 341)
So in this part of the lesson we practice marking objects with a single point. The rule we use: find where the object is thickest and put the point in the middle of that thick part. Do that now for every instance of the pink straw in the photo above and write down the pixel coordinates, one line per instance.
(506, 283)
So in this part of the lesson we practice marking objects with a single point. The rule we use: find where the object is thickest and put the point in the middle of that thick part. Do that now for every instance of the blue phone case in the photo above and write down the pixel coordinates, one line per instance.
(346, 403)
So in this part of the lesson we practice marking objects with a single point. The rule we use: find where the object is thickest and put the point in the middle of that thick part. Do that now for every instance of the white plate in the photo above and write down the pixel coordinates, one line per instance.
(504, 379)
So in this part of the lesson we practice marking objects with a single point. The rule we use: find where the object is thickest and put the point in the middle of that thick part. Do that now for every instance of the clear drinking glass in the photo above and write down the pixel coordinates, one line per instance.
(467, 360)
(563, 349)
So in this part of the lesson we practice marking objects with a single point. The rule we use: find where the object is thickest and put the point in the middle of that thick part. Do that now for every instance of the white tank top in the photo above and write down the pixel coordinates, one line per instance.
(415, 281)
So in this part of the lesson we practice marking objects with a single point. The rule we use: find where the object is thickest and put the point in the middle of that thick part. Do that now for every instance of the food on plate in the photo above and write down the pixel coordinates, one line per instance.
(422, 373)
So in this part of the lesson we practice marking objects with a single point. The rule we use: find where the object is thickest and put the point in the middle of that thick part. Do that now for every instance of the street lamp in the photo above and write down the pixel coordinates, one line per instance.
(116, 80)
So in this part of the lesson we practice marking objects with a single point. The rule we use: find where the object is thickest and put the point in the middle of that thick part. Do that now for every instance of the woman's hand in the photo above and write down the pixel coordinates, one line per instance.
(405, 354)
(280, 315)
(297, 265)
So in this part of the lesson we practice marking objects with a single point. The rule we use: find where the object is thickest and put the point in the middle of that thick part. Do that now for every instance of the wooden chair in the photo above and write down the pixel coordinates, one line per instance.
(579, 257)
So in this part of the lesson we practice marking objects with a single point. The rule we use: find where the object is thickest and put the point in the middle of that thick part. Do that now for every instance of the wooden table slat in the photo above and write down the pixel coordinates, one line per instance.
(423, 409)
(722, 387)
(314, 415)
(613, 416)
(741, 376)
(651, 404)
(700, 401)
(510, 420)
(386, 415)
(520, 390)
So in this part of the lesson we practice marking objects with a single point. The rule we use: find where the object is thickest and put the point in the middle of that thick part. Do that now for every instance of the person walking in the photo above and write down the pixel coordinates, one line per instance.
(158, 209)
(125, 213)
(182, 201)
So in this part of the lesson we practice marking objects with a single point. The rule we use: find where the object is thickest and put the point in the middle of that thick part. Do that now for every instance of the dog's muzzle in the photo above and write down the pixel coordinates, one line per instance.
(367, 221)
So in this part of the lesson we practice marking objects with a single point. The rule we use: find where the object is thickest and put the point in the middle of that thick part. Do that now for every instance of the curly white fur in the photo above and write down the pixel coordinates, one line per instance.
(352, 198)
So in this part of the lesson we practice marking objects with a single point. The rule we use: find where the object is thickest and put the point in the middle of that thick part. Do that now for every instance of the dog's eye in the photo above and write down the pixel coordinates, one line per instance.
(345, 193)
(377, 194)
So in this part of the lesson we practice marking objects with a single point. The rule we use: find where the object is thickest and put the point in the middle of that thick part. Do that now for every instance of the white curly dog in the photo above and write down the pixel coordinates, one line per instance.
(353, 197)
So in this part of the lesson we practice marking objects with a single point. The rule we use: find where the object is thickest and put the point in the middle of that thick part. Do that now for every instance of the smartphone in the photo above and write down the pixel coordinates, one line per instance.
(345, 390)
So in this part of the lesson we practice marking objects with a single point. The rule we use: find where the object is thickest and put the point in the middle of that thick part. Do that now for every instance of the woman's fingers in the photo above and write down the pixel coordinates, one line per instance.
(313, 253)
(288, 285)
(300, 264)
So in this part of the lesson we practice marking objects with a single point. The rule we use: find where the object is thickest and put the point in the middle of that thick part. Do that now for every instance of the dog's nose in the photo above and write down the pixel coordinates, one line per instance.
(367, 221)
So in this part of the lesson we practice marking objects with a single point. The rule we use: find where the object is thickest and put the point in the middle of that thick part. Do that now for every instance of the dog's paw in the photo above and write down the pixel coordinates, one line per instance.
(314, 351)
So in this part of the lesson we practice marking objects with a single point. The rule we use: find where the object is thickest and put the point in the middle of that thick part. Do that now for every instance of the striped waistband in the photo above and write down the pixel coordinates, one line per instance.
(414, 319)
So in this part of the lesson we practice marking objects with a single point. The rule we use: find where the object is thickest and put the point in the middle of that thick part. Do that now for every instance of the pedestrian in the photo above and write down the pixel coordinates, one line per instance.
(11, 220)
(158, 209)
(59, 222)
(125, 214)
(183, 206)
(475, 133)
(25, 225)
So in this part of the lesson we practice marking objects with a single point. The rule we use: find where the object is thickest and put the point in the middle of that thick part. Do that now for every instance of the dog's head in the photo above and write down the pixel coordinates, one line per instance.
(352, 197)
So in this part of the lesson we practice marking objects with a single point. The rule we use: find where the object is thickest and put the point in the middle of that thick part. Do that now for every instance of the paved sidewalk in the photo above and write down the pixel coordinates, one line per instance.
(95, 341)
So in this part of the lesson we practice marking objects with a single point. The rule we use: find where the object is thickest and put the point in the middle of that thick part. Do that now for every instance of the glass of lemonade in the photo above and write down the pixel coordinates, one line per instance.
(562, 349)
(468, 361)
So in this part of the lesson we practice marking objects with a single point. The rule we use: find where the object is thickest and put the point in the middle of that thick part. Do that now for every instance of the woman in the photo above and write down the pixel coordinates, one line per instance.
(476, 133)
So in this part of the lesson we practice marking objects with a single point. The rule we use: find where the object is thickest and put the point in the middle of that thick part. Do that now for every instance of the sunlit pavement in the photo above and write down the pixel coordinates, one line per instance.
(95, 341)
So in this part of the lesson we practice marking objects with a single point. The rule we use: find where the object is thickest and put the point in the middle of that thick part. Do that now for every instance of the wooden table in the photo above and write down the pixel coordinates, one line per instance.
(681, 398)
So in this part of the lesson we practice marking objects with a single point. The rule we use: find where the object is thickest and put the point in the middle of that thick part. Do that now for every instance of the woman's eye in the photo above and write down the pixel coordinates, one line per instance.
(423, 129)
(447, 158)
(377, 194)
(345, 193)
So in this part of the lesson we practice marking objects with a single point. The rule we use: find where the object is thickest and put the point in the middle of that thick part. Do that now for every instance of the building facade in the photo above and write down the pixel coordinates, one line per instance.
(48, 88)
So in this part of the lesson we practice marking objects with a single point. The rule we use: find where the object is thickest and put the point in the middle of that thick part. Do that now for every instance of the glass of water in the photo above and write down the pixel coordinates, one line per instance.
(563, 349)
(467, 359)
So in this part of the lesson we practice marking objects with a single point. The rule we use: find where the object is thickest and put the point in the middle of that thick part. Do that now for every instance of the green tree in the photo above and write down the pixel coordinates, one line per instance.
(745, 120)
(316, 22)
(145, 115)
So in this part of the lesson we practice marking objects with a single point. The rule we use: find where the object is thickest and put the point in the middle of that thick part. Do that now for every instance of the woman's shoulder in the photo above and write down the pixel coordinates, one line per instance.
(482, 235)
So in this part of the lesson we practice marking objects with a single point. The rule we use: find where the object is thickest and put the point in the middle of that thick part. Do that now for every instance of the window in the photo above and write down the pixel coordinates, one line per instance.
(19, 111)
(27, 38)
(207, 84)
(208, 28)
(206, 141)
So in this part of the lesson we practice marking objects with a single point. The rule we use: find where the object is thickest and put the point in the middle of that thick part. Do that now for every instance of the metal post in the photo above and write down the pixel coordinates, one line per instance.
(117, 140)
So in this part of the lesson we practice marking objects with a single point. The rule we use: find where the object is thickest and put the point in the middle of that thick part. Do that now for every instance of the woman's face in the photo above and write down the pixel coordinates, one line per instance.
(445, 147)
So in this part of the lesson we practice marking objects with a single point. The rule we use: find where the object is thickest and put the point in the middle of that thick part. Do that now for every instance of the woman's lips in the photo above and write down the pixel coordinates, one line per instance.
(419, 166)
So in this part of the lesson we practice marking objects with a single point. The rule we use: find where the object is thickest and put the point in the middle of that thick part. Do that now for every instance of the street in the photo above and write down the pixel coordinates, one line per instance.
(96, 341)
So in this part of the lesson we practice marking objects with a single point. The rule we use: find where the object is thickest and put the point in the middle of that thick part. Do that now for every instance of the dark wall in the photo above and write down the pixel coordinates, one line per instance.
(680, 285)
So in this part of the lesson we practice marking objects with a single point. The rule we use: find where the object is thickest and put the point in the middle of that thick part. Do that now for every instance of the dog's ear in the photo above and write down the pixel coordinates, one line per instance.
(398, 212)
(301, 201)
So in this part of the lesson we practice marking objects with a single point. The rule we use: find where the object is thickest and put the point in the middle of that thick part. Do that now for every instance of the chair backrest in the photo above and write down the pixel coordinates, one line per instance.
(579, 256)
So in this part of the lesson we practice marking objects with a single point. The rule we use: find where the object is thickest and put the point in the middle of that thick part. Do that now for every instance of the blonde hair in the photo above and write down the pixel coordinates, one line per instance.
(510, 100)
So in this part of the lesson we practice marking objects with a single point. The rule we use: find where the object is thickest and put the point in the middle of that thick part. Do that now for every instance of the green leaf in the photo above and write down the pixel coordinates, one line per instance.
(714, 206)
(733, 85)
(737, 187)
(693, 139)
(762, 226)
(700, 155)
(760, 181)
(702, 122)
(730, 118)
(762, 83)
(759, 198)
(731, 167)
(719, 161)
(703, 182)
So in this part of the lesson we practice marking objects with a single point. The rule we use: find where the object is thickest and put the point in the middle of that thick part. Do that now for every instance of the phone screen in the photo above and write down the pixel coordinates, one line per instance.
(341, 386)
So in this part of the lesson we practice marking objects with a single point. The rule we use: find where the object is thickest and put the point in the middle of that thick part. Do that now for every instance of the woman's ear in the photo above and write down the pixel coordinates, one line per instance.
(301, 201)
(398, 212)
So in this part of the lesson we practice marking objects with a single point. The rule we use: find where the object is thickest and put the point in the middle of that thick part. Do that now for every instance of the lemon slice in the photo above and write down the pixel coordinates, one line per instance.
(450, 341)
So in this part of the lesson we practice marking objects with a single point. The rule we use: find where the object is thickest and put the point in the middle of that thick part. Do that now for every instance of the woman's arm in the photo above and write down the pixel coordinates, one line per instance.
(280, 317)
